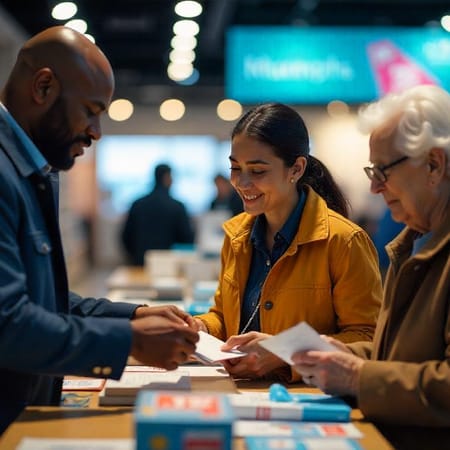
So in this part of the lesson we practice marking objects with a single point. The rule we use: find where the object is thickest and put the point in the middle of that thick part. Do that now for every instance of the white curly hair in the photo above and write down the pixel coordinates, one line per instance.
(424, 119)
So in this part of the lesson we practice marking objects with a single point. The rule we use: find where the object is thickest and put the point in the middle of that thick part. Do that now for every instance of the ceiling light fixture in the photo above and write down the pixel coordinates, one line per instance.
(64, 10)
(186, 28)
(172, 109)
(445, 22)
(188, 9)
(77, 25)
(229, 109)
(120, 110)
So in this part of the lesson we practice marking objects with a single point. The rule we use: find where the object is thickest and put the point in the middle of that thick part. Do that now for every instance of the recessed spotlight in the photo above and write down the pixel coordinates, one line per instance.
(188, 8)
(64, 10)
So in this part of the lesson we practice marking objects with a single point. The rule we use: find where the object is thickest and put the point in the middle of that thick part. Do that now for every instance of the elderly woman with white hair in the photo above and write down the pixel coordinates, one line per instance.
(401, 380)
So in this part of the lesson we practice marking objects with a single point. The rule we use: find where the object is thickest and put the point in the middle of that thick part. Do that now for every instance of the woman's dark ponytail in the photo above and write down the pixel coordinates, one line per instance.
(320, 179)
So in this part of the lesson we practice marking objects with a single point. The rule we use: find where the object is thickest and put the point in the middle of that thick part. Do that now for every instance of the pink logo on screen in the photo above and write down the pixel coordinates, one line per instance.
(393, 70)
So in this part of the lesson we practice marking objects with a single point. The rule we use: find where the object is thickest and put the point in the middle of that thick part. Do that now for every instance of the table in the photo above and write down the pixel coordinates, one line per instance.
(117, 422)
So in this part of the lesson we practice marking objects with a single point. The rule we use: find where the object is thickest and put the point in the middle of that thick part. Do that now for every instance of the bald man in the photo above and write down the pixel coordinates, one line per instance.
(49, 113)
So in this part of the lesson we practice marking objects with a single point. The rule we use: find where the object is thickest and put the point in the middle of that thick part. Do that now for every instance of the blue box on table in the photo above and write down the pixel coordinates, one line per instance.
(171, 420)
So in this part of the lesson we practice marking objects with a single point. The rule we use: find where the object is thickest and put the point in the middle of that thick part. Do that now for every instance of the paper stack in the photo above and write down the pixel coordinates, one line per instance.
(123, 392)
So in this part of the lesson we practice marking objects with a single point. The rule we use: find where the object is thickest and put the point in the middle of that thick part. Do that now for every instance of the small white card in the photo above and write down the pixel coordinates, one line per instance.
(301, 337)
(208, 350)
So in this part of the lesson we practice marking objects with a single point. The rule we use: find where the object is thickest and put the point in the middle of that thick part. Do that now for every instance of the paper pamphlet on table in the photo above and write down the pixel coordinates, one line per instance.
(264, 443)
(275, 428)
(194, 371)
(83, 384)
(314, 408)
(208, 350)
(134, 378)
(124, 391)
(75, 444)
(301, 337)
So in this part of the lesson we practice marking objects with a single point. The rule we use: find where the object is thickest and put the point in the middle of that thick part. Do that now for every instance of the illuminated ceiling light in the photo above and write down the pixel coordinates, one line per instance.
(77, 25)
(90, 37)
(188, 9)
(189, 81)
(172, 109)
(445, 22)
(182, 57)
(186, 28)
(178, 72)
(64, 10)
(229, 109)
(120, 110)
(337, 108)
(183, 42)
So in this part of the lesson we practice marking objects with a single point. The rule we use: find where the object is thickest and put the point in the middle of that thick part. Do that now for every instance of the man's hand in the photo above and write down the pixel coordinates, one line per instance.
(159, 341)
(171, 312)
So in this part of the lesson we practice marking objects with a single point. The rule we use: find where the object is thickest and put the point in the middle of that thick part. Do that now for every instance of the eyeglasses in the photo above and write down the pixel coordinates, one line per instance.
(378, 172)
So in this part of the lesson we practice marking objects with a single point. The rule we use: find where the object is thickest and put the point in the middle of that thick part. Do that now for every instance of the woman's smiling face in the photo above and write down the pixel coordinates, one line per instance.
(264, 183)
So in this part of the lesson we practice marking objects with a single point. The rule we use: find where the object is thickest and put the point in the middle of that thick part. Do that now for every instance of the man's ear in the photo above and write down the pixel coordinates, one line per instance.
(45, 87)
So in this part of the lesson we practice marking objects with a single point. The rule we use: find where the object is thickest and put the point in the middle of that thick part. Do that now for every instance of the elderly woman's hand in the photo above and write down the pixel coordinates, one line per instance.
(335, 373)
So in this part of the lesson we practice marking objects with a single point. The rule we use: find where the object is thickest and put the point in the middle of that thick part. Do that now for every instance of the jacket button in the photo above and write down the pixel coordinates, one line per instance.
(268, 305)
(45, 248)
(107, 370)
(97, 370)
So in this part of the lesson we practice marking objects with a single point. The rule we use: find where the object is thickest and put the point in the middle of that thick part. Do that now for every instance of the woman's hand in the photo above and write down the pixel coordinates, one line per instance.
(199, 325)
(257, 363)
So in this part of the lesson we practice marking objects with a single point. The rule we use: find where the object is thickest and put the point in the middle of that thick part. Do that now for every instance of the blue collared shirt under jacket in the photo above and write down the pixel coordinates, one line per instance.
(263, 261)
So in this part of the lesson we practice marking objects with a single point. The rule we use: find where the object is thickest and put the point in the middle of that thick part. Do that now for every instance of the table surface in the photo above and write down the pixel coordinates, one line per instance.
(117, 422)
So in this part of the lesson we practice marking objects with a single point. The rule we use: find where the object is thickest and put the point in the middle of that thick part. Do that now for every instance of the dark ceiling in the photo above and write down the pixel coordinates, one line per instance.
(135, 34)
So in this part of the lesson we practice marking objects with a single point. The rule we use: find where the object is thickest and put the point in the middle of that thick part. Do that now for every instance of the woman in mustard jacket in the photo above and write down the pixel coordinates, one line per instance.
(293, 255)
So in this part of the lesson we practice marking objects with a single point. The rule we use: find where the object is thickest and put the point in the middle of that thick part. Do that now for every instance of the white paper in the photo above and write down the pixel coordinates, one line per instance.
(208, 349)
(301, 337)
(268, 428)
(83, 384)
(75, 444)
(194, 371)
(131, 382)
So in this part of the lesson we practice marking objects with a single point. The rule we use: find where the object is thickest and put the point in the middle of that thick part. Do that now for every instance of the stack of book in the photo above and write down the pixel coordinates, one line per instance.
(123, 392)
(307, 407)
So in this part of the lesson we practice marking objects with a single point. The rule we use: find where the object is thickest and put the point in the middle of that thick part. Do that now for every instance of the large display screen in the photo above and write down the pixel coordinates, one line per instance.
(125, 166)
(317, 65)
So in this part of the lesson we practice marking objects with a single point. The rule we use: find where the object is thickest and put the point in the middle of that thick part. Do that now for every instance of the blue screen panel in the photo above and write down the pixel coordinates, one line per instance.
(317, 65)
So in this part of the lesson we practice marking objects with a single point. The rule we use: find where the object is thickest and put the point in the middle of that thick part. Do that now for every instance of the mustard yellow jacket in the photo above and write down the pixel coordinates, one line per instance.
(328, 277)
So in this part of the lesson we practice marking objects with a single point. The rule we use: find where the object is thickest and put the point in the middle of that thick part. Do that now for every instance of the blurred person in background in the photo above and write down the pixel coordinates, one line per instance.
(156, 221)
(293, 255)
(386, 230)
(50, 112)
(227, 198)
(401, 380)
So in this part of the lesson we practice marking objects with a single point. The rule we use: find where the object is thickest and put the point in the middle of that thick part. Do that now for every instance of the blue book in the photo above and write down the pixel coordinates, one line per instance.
(264, 443)
(305, 407)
